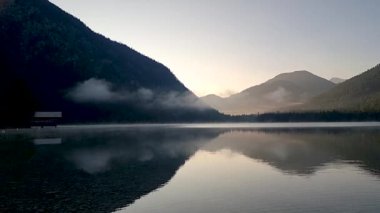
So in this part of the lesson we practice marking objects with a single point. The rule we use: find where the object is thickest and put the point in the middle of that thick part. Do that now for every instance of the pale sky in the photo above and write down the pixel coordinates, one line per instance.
(224, 46)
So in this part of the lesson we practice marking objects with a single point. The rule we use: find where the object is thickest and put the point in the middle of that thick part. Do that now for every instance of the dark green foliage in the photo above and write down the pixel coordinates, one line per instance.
(44, 52)
(322, 116)
(326, 116)
(360, 93)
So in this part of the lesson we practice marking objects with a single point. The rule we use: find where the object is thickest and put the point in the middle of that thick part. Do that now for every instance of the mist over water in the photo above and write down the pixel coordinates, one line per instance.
(192, 168)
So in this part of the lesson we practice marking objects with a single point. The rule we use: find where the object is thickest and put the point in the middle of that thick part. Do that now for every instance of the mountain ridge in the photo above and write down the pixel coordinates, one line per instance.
(47, 54)
(337, 80)
(283, 90)
(359, 93)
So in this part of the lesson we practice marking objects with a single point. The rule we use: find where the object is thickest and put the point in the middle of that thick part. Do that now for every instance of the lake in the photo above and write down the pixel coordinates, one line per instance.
(187, 168)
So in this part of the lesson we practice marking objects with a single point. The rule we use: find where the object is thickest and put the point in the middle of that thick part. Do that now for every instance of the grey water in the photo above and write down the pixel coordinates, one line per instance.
(270, 167)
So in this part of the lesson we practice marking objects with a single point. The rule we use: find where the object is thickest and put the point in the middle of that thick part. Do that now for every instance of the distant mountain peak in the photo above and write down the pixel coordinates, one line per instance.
(211, 96)
(284, 90)
(336, 80)
(298, 72)
(294, 74)
(302, 78)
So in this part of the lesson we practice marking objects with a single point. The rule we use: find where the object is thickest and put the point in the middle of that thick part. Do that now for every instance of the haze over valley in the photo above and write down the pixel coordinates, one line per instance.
(304, 91)
(279, 93)
(51, 61)
(214, 106)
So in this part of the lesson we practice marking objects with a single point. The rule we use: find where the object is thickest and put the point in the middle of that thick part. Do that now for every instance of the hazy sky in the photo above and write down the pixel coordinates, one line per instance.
(220, 46)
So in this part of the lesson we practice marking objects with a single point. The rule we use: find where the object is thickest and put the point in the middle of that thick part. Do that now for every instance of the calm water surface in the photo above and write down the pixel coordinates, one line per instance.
(298, 167)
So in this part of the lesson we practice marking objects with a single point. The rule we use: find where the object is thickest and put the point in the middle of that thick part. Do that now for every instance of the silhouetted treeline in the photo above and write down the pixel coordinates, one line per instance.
(318, 116)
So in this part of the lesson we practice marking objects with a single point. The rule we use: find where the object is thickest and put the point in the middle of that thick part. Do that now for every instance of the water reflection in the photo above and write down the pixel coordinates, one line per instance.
(91, 170)
(303, 151)
(105, 169)
(47, 141)
(282, 170)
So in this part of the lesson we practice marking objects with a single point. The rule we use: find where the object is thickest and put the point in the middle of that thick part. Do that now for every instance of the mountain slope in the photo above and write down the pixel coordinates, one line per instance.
(51, 61)
(360, 93)
(336, 80)
(212, 100)
(280, 92)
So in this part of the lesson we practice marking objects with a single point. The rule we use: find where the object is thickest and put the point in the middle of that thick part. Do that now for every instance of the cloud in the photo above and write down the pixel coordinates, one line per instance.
(92, 90)
(179, 100)
(278, 95)
(145, 94)
(92, 161)
(97, 90)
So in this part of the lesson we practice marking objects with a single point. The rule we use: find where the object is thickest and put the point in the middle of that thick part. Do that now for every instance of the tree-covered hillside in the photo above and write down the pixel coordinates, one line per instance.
(360, 93)
(50, 61)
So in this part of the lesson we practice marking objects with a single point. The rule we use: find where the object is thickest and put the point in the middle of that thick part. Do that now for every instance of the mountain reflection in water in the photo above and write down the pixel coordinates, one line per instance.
(106, 169)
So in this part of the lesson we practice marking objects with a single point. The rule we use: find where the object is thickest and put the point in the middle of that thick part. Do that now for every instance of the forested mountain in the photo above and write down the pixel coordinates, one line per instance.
(283, 91)
(50, 61)
(360, 93)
